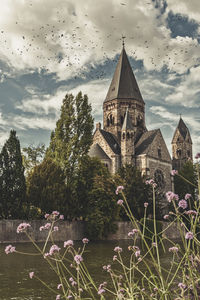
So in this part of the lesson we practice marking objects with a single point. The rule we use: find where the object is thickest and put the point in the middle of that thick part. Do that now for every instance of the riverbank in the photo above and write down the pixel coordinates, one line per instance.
(67, 230)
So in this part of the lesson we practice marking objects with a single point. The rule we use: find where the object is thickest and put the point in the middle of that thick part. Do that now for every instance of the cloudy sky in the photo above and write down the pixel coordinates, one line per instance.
(52, 47)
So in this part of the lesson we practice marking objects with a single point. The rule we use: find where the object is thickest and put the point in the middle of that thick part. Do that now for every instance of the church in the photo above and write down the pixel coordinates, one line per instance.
(124, 138)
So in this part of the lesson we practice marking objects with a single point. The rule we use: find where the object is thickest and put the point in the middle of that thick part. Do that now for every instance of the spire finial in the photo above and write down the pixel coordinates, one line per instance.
(180, 116)
(123, 37)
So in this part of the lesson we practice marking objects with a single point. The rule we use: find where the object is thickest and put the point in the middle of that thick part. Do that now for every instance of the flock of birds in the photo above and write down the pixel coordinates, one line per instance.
(50, 43)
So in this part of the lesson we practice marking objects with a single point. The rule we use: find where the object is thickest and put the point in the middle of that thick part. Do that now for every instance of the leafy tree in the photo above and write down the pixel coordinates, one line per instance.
(135, 190)
(32, 156)
(12, 180)
(181, 186)
(46, 187)
(72, 137)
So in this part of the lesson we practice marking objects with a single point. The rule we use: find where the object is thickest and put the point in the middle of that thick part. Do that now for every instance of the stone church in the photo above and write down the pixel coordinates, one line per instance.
(124, 138)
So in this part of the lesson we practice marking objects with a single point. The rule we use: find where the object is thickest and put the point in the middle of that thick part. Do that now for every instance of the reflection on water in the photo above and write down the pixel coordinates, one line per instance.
(14, 269)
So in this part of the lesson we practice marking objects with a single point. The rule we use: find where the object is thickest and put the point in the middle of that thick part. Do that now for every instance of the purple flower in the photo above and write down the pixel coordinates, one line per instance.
(9, 249)
(173, 249)
(41, 228)
(146, 204)
(78, 259)
(174, 172)
(23, 227)
(46, 216)
(181, 285)
(68, 243)
(59, 286)
(197, 155)
(171, 196)
(188, 196)
(189, 235)
(55, 213)
(54, 249)
(58, 297)
(166, 217)
(114, 257)
(85, 241)
(191, 212)
(120, 202)
(101, 291)
(137, 253)
(133, 232)
(119, 189)
(55, 228)
(183, 204)
(31, 274)
(47, 226)
(61, 217)
(118, 249)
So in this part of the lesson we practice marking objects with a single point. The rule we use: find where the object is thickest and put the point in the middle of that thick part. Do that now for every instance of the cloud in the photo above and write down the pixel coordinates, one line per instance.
(185, 7)
(187, 93)
(69, 37)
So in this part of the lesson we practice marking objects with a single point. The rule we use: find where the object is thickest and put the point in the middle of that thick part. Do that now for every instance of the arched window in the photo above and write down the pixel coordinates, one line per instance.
(111, 119)
(128, 135)
(123, 135)
(159, 153)
(108, 122)
(178, 152)
(122, 120)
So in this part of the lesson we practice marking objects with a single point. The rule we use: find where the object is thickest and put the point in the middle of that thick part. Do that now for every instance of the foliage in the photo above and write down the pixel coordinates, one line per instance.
(12, 180)
(96, 198)
(181, 186)
(32, 156)
(46, 187)
(136, 191)
(71, 140)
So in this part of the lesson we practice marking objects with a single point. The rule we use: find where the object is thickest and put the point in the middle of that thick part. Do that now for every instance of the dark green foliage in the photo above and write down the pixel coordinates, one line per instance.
(97, 200)
(12, 180)
(32, 156)
(135, 190)
(181, 186)
(46, 187)
(72, 137)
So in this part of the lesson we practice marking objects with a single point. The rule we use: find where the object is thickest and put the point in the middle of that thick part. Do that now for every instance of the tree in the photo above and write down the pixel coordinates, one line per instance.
(33, 155)
(12, 180)
(46, 187)
(135, 190)
(181, 186)
(71, 140)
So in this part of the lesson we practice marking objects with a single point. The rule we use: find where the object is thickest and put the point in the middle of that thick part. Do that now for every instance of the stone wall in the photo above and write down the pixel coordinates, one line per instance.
(67, 230)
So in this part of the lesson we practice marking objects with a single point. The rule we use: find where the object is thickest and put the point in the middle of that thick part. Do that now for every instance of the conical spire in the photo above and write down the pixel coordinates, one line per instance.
(124, 84)
(182, 128)
(127, 124)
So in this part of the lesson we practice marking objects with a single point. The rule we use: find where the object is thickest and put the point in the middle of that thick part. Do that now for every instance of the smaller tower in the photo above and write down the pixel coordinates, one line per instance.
(127, 140)
(181, 146)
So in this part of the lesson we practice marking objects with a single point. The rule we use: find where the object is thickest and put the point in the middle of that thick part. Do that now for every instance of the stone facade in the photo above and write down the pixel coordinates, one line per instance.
(125, 139)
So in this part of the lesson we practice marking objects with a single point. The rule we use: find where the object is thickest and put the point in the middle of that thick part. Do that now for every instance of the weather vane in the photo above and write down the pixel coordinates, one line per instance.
(123, 37)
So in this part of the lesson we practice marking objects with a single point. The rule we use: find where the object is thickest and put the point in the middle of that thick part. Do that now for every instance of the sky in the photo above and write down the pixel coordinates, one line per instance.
(49, 48)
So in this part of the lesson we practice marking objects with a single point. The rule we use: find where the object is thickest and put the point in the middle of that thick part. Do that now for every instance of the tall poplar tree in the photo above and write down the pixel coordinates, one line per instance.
(12, 180)
(71, 140)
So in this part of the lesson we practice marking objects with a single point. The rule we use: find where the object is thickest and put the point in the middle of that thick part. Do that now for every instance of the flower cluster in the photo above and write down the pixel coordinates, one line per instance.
(133, 232)
(171, 196)
(47, 226)
(120, 202)
(174, 172)
(173, 249)
(197, 155)
(23, 227)
(182, 204)
(151, 182)
(118, 249)
(53, 250)
(68, 243)
(101, 288)
(189, 235)
(85, 241)
(119, 189)
(78, 259)
(9, 249)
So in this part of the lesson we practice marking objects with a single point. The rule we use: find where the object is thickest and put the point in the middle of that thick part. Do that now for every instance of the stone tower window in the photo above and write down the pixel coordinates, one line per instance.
(123, 136)
(122, 120)
(128, 135)
(159, 153)
(178, 152)
(108, 122)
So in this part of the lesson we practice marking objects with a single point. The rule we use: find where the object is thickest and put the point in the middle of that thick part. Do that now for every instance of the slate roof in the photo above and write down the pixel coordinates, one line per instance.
(124, 84)
(127, 124)
(145, 141)
(182, 129)
(112, 142)
(97, 151)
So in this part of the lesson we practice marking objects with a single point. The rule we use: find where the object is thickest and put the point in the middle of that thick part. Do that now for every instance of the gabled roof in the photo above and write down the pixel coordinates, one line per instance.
(145, 142)
(127, 124)
(184, 131)
(111, 140)
(124, 84)
(97, 151)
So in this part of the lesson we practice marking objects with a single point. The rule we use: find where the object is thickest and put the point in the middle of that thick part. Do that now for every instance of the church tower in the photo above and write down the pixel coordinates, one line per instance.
(127, 140)
(181, 146)
(123, 93)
